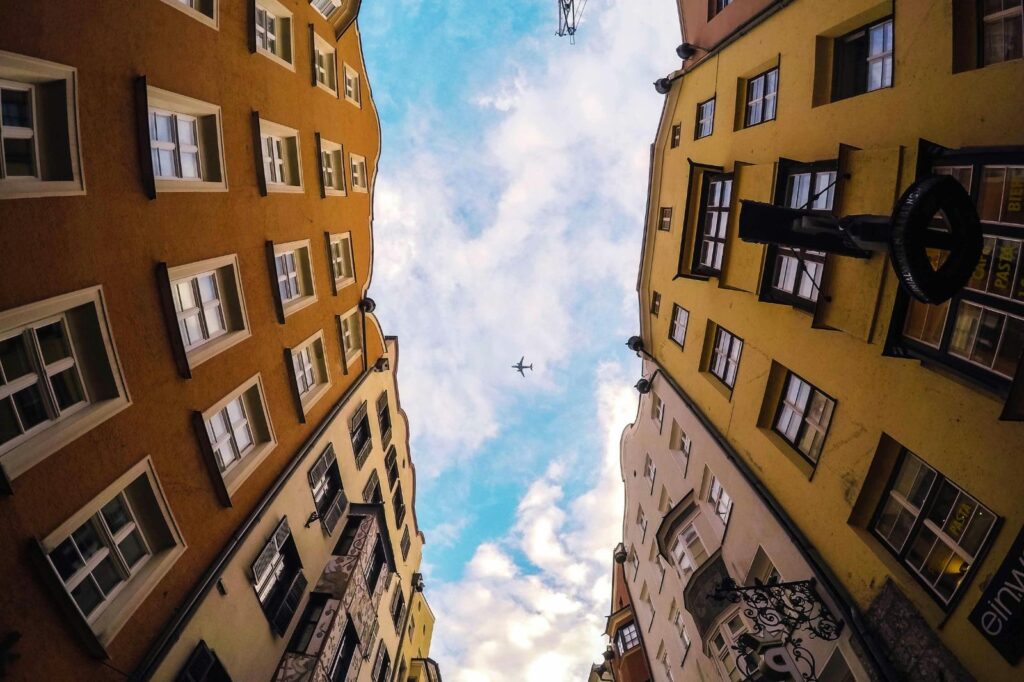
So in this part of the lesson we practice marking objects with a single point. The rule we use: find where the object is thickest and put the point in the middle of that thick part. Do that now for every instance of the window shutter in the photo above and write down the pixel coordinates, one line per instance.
(333, 515)
(357, 417)
(198, 665)
(142, 137)
(290, 604)
(369, 640)
(319, 145)
(323, 463)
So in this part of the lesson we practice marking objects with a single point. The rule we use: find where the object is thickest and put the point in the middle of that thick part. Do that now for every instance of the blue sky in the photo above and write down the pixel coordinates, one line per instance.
(508, 216)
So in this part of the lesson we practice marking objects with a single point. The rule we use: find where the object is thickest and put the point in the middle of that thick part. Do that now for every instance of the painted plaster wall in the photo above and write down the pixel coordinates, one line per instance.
(951, 424)
(114, 236)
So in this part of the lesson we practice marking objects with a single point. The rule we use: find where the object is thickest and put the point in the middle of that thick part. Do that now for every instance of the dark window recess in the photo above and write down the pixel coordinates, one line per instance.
(384, 419)
(803, 416)
(677, 134)
(397, 607)
(362, 441)
(716, 198)
(933, 527)
(328, 496)
(346, 652)
(716, 6)
(398, 502)
(862, 60)
(348, 536)
(278, 579)
(203, 666)
(725, 356)
(627, 638)
(406, 543)
(665, 219)
(375, 566)
(314, 613)
(655, 303)
(382, 666)
(1002, 28)
(980, 331)
(371, 491)
(391, 465)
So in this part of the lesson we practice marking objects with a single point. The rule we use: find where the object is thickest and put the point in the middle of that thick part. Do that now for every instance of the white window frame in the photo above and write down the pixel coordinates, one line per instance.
(758, 97)
(350, 353)
(705, 119)
(729, 637)
(170, 103)
(30, 72)
(352, 83)
(262, 444)
(719, 499)
(25, 451)
(650, 470)
(358, 171)
(322, 48)
(883, 57)
(683, 557)
(678, 324)
(304, 277)
(277, 166)
(657, 410)
(310, 358)
(188, 7)
(795, 416)
(338, 187)
(145, 575)
(200, 353)
(343, 241)
(319, 6)
(284, 41)
(726, 354)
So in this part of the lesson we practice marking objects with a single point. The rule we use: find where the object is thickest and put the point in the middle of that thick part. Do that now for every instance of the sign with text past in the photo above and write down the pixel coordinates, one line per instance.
(1000, 613)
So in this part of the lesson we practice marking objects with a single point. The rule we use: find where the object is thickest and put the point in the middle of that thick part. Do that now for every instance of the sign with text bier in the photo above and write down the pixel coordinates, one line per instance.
(999, 614)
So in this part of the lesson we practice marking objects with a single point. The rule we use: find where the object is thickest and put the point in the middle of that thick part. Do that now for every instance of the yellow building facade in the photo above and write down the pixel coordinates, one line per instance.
(884, 428)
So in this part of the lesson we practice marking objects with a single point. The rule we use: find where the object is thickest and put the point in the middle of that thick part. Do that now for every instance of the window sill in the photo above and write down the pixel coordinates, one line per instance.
(360, 190)
(353, 357)
(234, 478)
(718, 384)
(354, 102)
(31, 189)
(311, 398)
(277, 60)
(298, 304)
(329, 90)
(48, 441)
(340, 284)
(282, 188)
(195, 14)
(208, 350)
(168, 186)
(331, 192)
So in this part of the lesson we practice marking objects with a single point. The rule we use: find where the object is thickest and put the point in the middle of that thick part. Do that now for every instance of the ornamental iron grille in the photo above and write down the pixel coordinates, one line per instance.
(779, 613)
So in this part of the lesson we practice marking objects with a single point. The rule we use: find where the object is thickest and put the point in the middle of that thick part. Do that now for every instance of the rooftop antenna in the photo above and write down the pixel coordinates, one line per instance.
(569, 17)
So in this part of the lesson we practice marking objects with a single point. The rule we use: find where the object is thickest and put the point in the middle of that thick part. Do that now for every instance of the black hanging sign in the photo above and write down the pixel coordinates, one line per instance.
(999, 614)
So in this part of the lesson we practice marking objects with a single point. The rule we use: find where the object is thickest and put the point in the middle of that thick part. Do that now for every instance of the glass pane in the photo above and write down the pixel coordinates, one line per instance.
(162, 128)
(921, 548)
(17, 108)
(977, 528)
(67, 388)
(31, 409)
(116, 514)
(966, 323)
(979, 278)
(193, 329)
(1013, 207)
(1011, 348)
(987, 339)
(14, 358)
(8, 421)
(875, 40)
(944, 502)
(132, 548)
(218, 427)
(106, 575)
(184, 295)
(186, 132)
(1004, 266)
(189, 165)
(52, 342)
(87, 539)
(236, 412)
(66, 560)
(18, 155)
(991, 193)
(165, 166)
(208, 287)
(87, 596)
(214, 320)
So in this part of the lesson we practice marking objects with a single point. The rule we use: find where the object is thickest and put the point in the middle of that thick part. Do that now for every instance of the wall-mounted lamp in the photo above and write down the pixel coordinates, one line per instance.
(315, 516)
(367, 305)
(620, 553)
(687, 50)
(663, 85)
(382, 365)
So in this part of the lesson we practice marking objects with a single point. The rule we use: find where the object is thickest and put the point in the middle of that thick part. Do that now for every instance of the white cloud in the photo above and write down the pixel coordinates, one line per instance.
(543, 619)
(521, 238)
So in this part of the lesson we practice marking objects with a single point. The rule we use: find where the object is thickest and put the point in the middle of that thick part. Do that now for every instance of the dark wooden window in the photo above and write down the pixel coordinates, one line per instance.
(348, 535)
(725, 356)
(307, 625)
(406, 543)
(980, 331)
(935, 528)
(397, 607)
(381, 666)
(705, 124)
(716, 6)
(627, 638)
(655, 303)
(346, 652)
(371, 491)
(325, 483)
(278, 579)
(398, 503)
(803, 416)
(375, 567)
(677, 135)
(762, 97)
(384, 418)
(665, 219)
(362, 441)
(716, 198)
(391, 465)
(863, 60)
(203, 666)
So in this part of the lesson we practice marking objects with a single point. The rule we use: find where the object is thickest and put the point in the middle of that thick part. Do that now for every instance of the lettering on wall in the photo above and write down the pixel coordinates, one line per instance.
(999, 615)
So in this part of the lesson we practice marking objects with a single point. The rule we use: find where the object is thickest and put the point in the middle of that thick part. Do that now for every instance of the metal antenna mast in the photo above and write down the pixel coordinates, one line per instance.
(569, 17)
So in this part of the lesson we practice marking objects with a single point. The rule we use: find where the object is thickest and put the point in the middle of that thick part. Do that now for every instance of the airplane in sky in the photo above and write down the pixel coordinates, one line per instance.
(519, 366)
